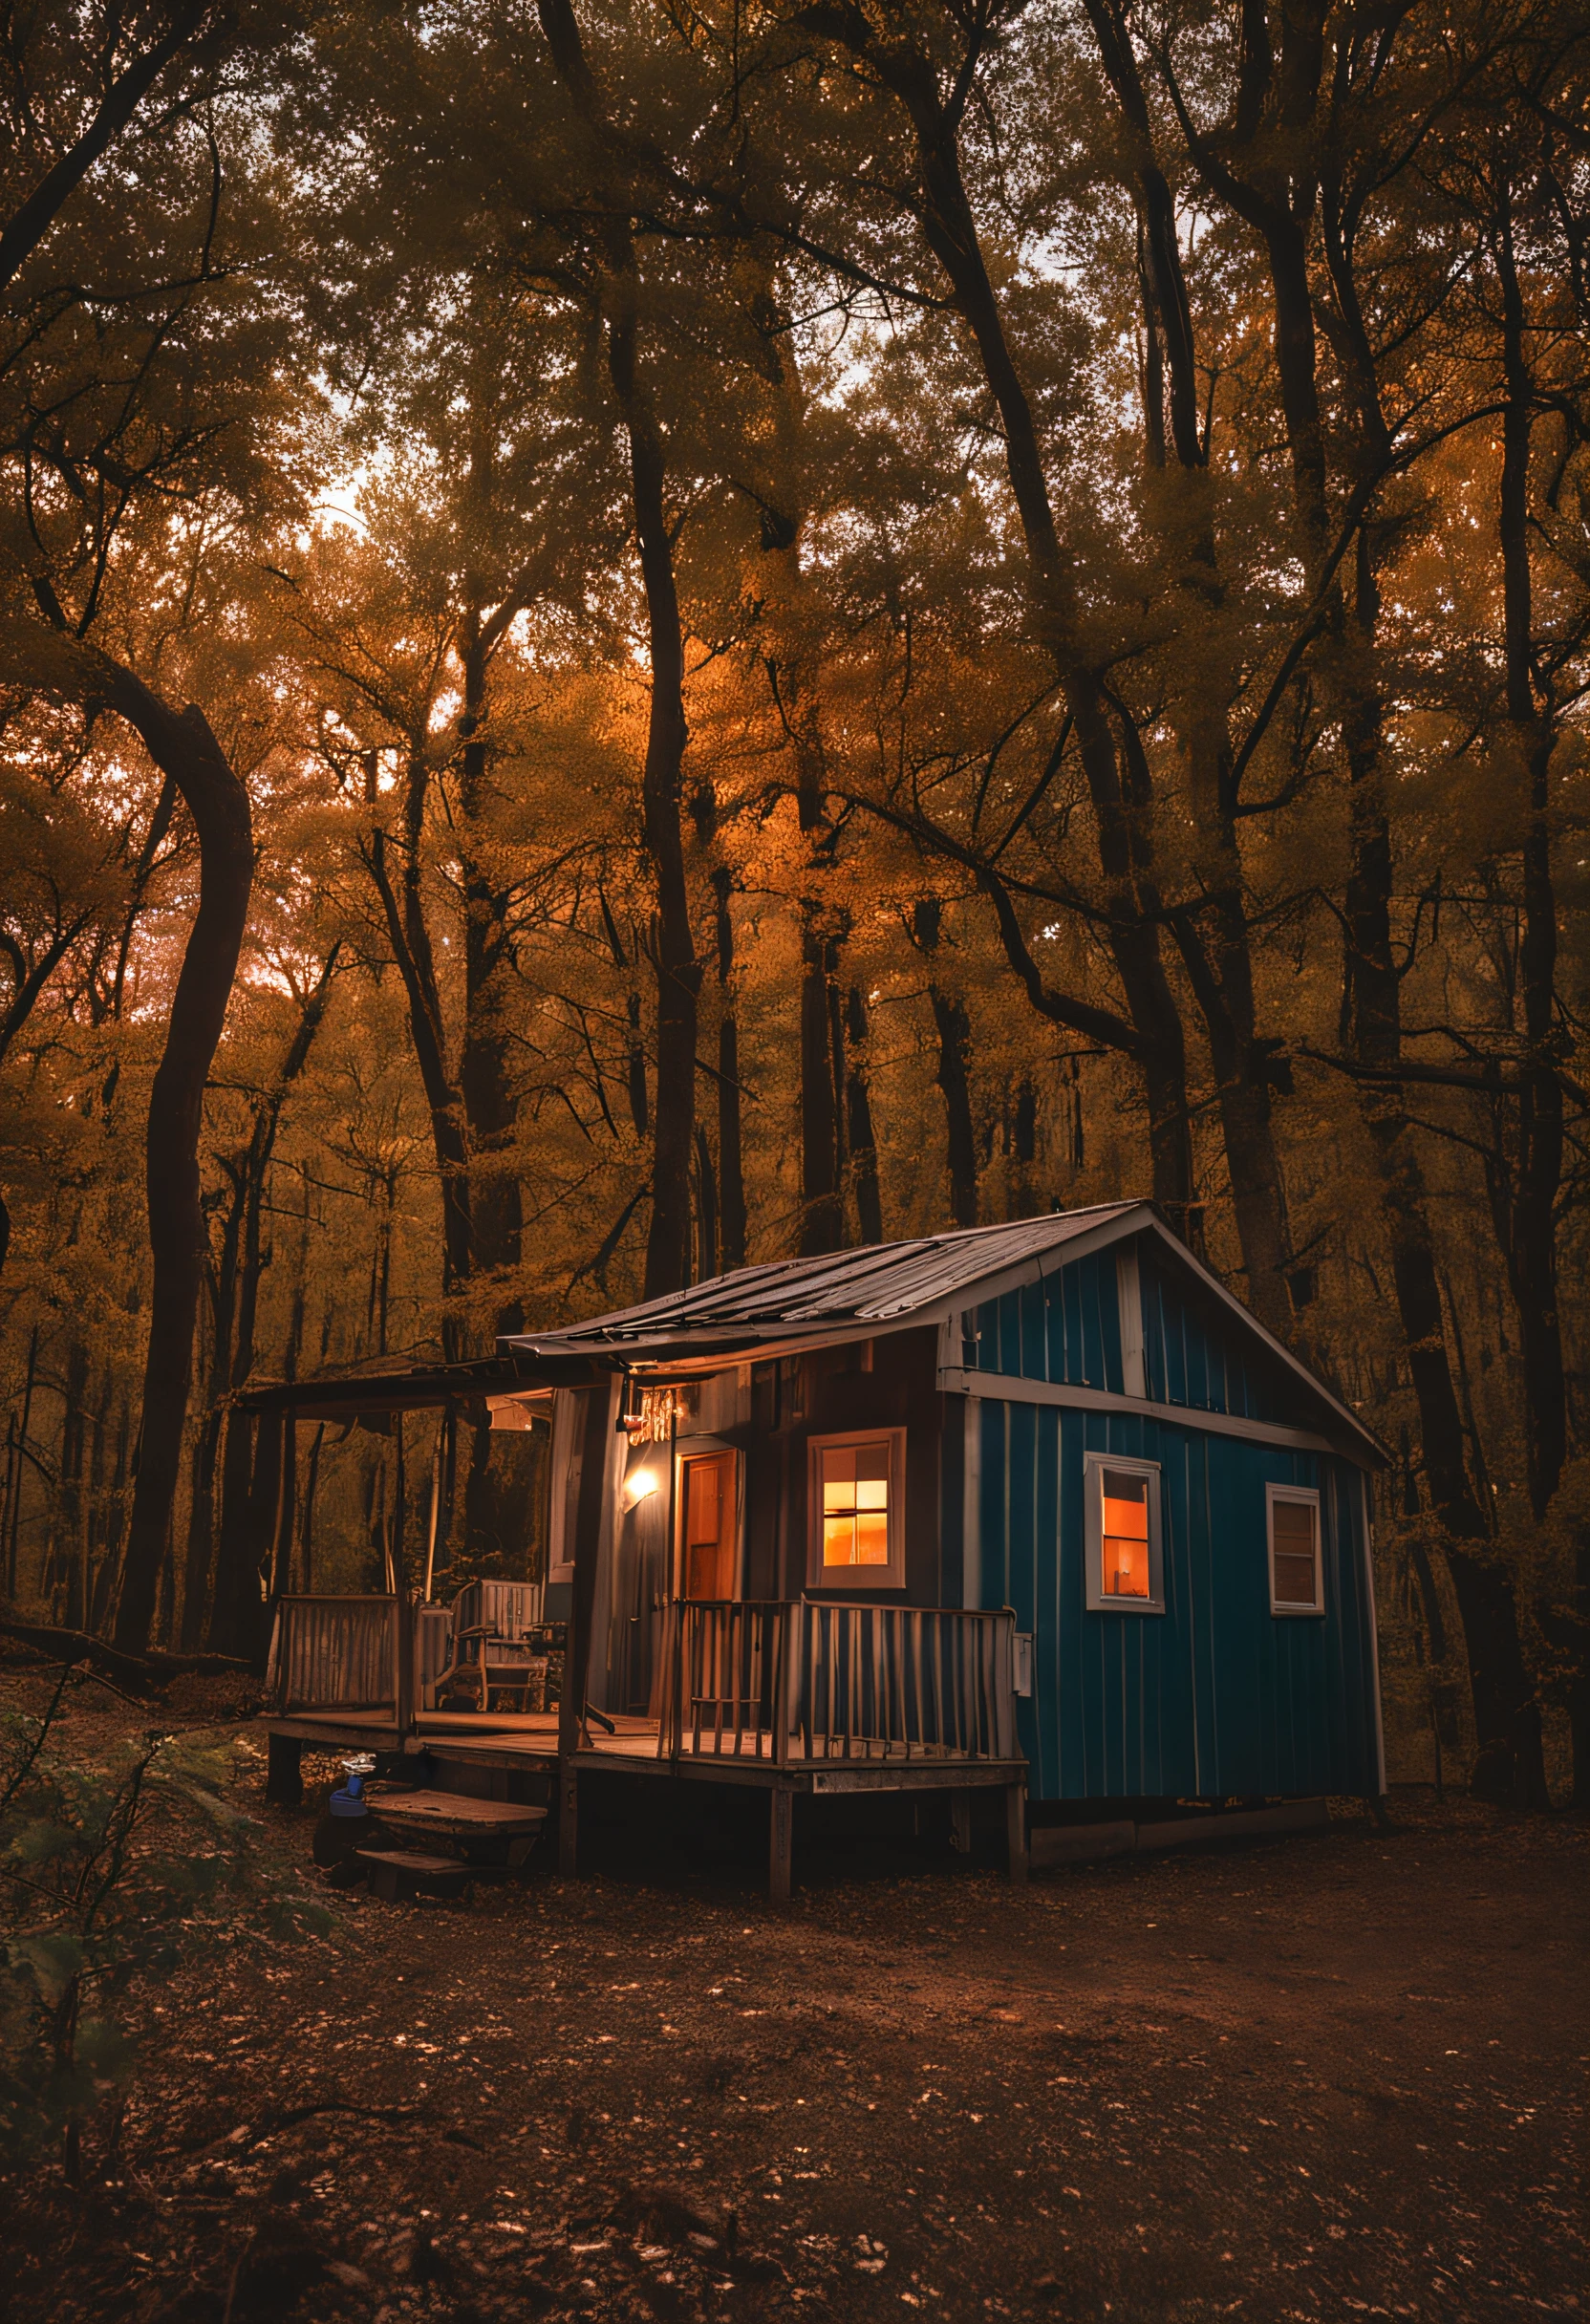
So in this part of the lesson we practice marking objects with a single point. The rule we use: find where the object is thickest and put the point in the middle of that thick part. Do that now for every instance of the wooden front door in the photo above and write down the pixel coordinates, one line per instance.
(709, 1525)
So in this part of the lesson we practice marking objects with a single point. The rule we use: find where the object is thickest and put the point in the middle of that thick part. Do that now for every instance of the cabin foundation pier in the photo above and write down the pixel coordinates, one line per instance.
(960, 1820)
(780, 1846)
(284, 1779)
(568, 1820)
(1016, 1830)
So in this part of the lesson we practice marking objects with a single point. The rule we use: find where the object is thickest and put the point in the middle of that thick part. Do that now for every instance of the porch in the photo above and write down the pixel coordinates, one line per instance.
(788, 1697)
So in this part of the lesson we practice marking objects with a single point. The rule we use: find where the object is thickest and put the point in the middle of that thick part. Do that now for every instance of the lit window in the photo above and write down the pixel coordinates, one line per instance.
(855, 1505)
(856, 1492)
(1295, 1577)
(1126, 1534)
(1124, 1565)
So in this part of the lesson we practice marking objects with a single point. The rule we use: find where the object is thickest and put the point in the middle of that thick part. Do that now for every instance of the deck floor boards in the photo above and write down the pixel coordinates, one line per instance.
(531, 1739)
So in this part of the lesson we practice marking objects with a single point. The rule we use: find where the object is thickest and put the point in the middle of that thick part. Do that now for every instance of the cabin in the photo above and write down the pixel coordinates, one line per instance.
(1038, 1506)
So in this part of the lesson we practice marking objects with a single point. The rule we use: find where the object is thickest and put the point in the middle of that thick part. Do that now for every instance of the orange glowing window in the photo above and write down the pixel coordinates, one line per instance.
(855, 1503)
(1124, 1533)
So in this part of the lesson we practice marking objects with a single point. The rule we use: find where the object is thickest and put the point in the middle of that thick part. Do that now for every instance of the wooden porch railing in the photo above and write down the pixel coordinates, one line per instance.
(791, 1682)
(344, 1653)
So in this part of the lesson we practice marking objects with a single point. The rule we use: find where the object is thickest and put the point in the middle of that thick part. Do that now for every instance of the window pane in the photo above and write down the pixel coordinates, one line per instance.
(1293, 1523)
(871, 1493)
(1125, 1563)
(838, 1493)
(1125, 1504)
(838, 1466)
(872, 1537)
(871, 1460)
(839, 1540)
(1294, 1579)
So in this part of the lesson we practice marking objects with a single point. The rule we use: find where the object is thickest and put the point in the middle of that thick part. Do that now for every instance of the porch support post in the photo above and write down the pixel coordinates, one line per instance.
(403, 1655)
(781, 1844)
(595, 1447)
(1016, 1830)
(284, 1782)
(960, 1820)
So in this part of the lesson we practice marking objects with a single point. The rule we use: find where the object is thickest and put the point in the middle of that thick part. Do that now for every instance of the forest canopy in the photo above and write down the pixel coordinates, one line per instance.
(639, 639)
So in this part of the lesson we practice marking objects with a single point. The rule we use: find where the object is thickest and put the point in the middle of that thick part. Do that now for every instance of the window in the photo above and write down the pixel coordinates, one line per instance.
(1125, 1570)
(858, 1486)
(1294, 1526)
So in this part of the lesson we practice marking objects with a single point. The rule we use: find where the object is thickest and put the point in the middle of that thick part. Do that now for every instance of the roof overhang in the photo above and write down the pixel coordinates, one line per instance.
(421, 1387)
(657, 1357)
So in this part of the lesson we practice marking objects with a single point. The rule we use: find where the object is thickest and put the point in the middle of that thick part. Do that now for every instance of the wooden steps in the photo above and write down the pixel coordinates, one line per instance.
(398, 1874)
(506, 1828)
(455, 1815)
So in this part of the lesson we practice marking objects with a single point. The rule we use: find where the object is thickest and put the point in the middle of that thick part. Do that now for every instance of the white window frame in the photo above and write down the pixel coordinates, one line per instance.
(863, 1578)
(1094, 1465)
(1284, 1609)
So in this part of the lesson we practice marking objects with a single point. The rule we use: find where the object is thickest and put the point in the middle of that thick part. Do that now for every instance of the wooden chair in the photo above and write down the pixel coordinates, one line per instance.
(483, 1659)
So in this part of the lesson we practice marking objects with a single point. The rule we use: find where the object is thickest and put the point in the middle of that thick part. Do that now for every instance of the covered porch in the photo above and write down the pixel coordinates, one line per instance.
(788, 1697)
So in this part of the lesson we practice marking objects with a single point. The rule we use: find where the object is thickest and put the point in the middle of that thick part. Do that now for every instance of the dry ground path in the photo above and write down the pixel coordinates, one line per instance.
(1334, 2076)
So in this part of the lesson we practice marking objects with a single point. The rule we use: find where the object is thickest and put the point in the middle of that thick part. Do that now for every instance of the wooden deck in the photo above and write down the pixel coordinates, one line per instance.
(784, 1697)
(526, 1741)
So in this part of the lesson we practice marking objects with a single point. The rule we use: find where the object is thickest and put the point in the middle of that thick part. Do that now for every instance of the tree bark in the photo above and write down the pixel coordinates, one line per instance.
(491, 1106)
(1527, 1223)
(822, 1211)
(1125, 837)
(679, 972)
(731, 1167)
(952, 1073)
(411, 947)
(182, 747)
(861, 1136)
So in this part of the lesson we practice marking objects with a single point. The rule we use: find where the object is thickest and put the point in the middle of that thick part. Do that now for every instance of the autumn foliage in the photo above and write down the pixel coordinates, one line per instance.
(637, 639)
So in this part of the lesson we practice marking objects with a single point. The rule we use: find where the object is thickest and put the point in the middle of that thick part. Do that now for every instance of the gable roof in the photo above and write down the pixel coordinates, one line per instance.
(884, 1287)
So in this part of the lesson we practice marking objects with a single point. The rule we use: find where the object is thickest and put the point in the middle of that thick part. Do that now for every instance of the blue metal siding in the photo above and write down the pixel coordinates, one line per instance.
(1065, 1328)
(1215, 1695)
(1193, 1355)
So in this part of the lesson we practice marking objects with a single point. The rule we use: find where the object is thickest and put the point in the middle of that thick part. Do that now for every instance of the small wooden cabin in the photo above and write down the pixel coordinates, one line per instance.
(1068, 1417)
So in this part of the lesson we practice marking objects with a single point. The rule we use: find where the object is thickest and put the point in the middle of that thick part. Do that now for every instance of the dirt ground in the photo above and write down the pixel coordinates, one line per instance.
(1324, 2076)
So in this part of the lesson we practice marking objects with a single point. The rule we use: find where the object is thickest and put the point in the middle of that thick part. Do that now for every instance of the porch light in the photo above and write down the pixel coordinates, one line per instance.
(641, 1485)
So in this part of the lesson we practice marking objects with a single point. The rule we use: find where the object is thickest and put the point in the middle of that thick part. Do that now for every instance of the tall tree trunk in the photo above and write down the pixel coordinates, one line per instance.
(184, 747)
(731, 1168)
(1529, 1220)
(409, 939)
(949, 226)
(822, 1211)
(861, 1136)
(706, 1210)
(679, 972)
(952, 1072)
(1214, 940)
(490, 1106)
(233, 1613)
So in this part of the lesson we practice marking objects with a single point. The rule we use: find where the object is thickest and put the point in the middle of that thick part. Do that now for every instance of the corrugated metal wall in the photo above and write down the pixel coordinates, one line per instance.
(1065, 1328)
(1215, 1695)
(1191, 1356)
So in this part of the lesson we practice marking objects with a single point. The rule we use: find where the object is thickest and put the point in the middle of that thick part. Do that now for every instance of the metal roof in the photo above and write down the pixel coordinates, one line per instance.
(883, 1287)
(882, 1283)
(781, 1307)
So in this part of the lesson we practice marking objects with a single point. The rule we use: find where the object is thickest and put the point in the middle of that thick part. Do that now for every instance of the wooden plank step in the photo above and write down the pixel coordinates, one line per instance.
(455, 1815)
(409, 1860)
(397, 1874)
